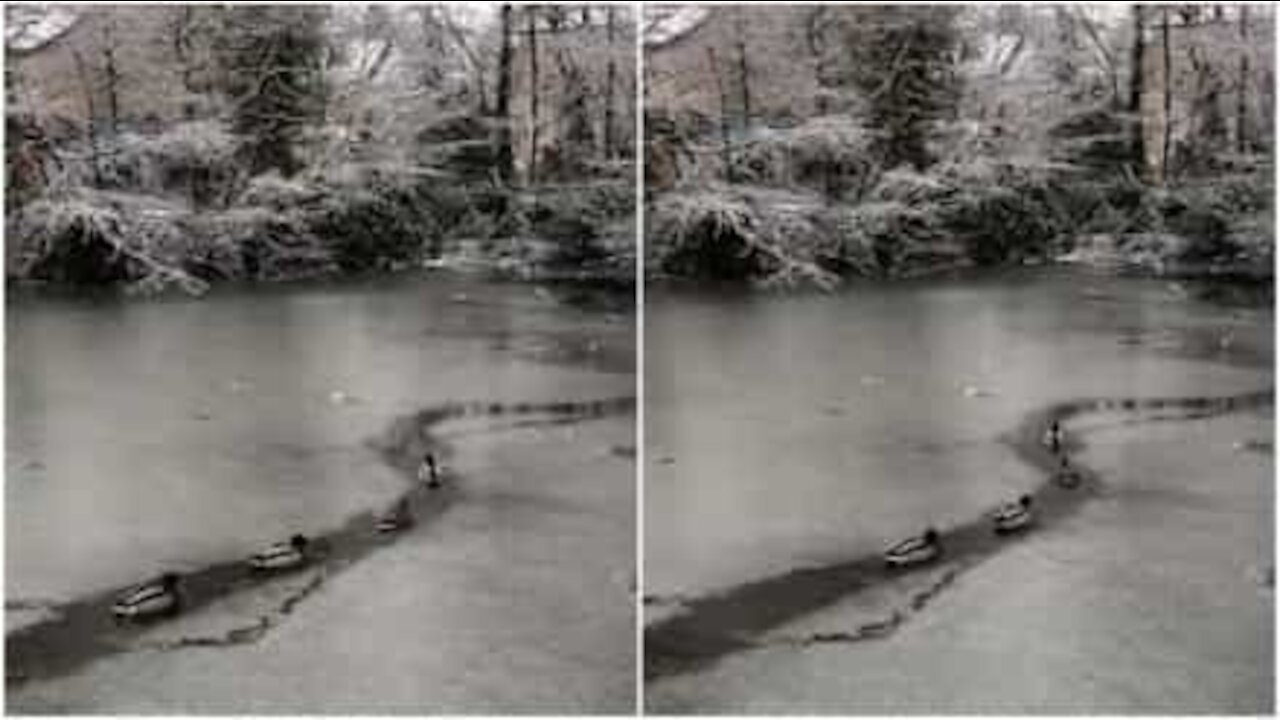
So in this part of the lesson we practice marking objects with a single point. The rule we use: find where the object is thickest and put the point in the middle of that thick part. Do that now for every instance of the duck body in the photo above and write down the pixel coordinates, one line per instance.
(1066, 475)
(1014, 516)
(399, 518)
(1053, 437)
(428, 473)
(149, 600)
(281, 556)
(914, 551)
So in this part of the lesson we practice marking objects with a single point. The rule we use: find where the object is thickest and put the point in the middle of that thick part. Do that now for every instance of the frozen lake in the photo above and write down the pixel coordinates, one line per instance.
(787, 433)
(179, 434)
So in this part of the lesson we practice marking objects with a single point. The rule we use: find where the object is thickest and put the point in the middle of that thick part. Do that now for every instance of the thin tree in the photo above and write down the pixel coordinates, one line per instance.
(91, 112)
(180, 39)
(1168, 93)
(1242, 98)
(744, 71)
(473, 61)
(610, 80)
(1137, 62)
(726, 156)
(111, 73)
(531, 30)
(502, 103)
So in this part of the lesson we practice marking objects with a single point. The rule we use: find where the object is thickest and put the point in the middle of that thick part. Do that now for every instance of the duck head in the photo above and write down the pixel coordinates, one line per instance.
(1025, 501)
(169, 580)
(930, 535)
(299, 542)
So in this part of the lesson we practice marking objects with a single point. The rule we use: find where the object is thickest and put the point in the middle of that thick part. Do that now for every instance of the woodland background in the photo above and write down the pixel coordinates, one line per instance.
(808, 144)
(156, 146)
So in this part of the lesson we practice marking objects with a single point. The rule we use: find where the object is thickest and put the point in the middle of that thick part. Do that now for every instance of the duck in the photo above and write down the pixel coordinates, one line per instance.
(914, 550)
(1053, 436)
(1067, 476)
(281, 556)
(1013, 516)
(400, 517)
(158, 597)
(428, 473)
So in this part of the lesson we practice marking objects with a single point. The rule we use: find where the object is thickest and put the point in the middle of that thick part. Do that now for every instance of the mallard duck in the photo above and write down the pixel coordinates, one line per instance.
(1013, 516)
(1053, 436)
(427, 471)
(1066, 476)
(400, 517)
(914, 550)
(281, 556)
(158, 597)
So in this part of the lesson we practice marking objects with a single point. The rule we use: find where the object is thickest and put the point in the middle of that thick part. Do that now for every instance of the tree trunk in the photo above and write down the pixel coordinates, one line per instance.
(744, 76)
(91, 108)
(1242, 97)
(112, 74)
(726, 156)
(1137, 64)
(182, 45)
(502, 103)
(1167, 94)
(474, 65)
(531, 25)
(610, 78)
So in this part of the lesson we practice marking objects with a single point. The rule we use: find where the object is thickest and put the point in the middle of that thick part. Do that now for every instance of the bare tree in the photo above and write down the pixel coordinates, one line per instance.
(1242, 98)
(610, 81)
(1166, 93)
(744, 71)
(1137, 64)
(111, 73)
(726, 140)
(91, 112)
(531, 38)
(502, 107)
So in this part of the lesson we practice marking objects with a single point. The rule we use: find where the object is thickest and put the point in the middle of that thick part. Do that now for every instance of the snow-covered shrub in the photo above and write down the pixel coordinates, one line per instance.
(828, 154)
(983, 212)
(195, 160)
(94, 237)
(272, 190)
(1001, 214)
(761, 158)
(1226, 219)
(737, 233)
(910, 187)
(258, 243)
(702, 235)
(887, 237)
(832, 155)
(380, 227)
(198, 155)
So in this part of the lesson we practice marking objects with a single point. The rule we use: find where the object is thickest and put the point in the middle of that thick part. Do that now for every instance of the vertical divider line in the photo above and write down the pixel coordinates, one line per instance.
(1275, 431)
(637, 19)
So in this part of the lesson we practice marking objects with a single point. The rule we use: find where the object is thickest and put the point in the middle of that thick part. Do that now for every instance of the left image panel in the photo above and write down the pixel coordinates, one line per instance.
(320, 359)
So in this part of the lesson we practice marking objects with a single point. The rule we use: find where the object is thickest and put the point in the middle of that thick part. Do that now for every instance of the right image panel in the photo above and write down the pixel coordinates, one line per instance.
(959, 359)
